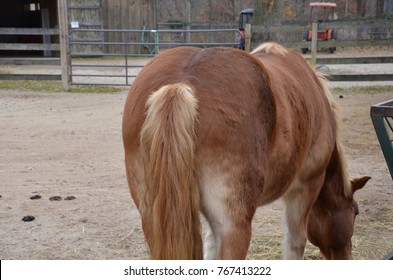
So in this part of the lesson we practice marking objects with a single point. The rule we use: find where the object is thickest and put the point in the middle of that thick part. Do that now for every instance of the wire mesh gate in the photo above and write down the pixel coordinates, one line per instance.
(118, 58)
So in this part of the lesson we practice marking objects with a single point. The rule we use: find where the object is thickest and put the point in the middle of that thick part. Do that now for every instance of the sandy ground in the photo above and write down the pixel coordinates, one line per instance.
(69, 145)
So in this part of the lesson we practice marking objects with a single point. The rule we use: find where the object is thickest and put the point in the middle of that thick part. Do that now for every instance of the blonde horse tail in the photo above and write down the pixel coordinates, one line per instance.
(171, 203)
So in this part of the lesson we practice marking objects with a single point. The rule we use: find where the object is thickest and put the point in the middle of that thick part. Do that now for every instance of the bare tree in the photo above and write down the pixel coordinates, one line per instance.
(269, 12)
(380, 8)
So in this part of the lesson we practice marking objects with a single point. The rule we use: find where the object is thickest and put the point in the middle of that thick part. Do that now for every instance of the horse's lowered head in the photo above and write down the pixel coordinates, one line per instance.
(332, 219)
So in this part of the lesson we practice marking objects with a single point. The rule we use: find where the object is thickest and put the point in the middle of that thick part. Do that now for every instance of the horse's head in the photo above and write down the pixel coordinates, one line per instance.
(332, 218)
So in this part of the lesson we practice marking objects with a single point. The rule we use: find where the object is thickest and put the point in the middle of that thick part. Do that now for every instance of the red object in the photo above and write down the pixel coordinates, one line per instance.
(322, 35)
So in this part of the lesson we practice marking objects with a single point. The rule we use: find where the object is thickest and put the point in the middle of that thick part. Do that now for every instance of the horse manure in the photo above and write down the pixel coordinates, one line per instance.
(341, 96)
(28, 218)
(37, 196)
(58, 198)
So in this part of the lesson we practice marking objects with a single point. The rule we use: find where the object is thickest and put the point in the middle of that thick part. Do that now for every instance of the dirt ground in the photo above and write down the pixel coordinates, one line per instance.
(69, 146)
(65, 150)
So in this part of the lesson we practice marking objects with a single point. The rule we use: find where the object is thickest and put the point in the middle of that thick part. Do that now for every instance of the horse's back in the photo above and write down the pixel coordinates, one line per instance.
(305, 125)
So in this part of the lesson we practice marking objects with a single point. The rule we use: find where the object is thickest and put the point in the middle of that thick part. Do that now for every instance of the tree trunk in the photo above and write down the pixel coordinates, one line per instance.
(380, 6)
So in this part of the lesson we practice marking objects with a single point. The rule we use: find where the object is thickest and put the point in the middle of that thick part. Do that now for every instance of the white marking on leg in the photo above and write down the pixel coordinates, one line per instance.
(214, 197)
(209, 245)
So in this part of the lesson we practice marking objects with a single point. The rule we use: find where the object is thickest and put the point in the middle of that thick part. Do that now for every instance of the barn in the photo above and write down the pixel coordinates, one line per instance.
(31, 27)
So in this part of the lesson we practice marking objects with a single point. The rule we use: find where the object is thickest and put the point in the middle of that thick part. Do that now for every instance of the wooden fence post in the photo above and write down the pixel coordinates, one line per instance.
(314, 40)
(46, 37)
(247, 36)
(64, 48)
(188, 27)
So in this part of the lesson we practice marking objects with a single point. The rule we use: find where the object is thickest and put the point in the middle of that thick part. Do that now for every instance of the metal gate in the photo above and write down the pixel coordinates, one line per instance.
(382, 118)
(118, 58)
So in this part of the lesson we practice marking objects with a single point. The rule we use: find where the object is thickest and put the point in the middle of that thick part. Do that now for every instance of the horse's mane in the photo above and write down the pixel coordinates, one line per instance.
(341, 159)
(272, 48)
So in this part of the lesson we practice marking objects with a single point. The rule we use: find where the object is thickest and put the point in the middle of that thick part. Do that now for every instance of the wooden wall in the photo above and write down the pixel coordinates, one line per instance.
(88, 15)
(127, 14)
(110, 14)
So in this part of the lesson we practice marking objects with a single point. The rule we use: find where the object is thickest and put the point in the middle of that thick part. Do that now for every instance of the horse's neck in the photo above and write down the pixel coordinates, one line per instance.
(335, 186)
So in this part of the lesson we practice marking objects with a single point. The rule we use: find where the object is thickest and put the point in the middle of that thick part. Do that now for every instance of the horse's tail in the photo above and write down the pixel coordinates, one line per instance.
(170, 214)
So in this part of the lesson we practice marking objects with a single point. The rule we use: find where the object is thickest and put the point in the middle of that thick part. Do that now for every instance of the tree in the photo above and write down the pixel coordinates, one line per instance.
(268, 12)
(380, 8)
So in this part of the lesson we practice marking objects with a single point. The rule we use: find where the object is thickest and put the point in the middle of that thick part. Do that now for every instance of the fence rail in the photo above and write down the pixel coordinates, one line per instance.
(9, 42)
(144, 42)
(29, 31)
(121, 67)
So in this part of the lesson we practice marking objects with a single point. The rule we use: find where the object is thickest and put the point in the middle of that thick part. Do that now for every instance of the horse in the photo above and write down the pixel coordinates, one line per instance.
(219, 132)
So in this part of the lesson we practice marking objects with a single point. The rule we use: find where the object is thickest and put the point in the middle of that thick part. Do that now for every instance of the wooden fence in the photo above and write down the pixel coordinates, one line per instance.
(45, 46)
(359, 33)
(349, 33)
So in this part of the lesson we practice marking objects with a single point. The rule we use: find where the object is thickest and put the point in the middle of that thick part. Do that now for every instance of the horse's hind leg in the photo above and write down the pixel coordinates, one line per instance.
(299, 200)
(235, 241)
(228, 238)
(230, 228)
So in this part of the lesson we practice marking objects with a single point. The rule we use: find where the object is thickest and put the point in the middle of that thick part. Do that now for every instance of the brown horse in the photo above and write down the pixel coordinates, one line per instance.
(221, 132)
